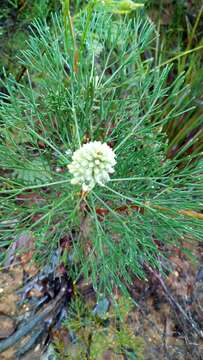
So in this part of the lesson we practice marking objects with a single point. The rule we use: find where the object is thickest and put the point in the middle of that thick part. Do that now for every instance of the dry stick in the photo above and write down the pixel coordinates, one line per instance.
(21, 73)
(189, 213)
(125, 208)
(13, 339)
(173, 302)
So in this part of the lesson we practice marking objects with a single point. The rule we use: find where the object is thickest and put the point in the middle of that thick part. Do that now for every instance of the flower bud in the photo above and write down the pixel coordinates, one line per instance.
(92, 164)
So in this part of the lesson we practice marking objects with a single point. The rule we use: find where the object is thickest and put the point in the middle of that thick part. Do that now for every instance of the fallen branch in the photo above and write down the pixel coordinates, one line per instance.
(26, 328)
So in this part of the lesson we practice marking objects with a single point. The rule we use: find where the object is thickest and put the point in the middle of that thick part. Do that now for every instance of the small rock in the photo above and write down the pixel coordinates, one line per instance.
(199, 276)
(7, 326)
(49, 354)
(101, 308)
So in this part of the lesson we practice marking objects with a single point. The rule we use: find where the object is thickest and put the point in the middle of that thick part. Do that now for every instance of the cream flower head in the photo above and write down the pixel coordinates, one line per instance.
(92, 164)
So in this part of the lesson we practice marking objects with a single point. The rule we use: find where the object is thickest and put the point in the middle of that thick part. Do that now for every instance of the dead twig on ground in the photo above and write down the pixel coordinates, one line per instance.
(174, 302)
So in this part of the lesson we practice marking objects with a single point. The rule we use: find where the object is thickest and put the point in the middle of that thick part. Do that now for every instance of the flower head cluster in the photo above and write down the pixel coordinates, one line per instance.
(92, 164)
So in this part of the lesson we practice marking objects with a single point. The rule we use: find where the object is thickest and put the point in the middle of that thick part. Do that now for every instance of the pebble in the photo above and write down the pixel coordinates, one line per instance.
(7, 326)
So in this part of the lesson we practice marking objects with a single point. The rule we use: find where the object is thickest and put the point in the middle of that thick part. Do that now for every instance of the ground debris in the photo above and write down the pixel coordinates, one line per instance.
(170, 309)
(37, 304)
(7, 326)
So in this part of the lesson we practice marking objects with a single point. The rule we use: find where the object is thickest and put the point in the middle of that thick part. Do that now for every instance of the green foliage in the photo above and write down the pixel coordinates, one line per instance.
(95, 336)
(35, 173)
(97, 80)
(179, 24)
(15, 18)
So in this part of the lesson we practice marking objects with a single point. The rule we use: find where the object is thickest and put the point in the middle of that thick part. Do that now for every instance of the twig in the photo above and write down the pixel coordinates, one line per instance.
(173, 301)
(126, 208)
(21, 73)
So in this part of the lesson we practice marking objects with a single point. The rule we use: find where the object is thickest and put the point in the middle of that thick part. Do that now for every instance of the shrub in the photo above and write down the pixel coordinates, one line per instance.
(95, 79)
